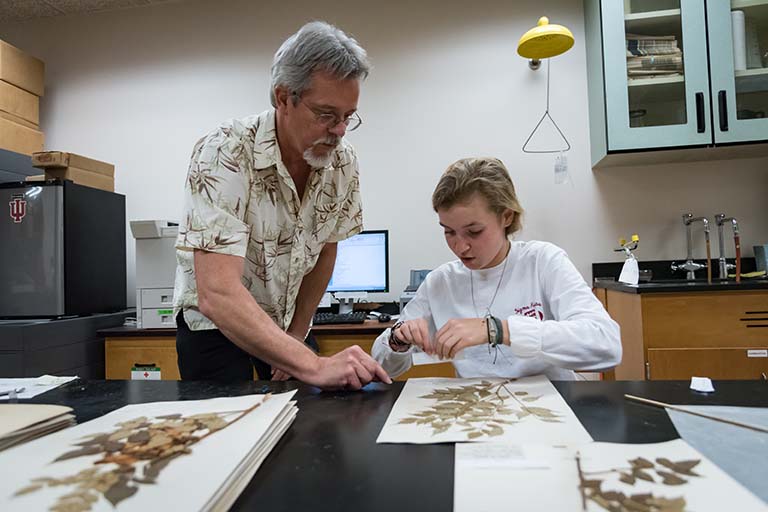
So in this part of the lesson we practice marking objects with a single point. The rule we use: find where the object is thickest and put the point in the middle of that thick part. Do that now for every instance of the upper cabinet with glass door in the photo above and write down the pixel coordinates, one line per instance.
(649, 77)
(739, 69)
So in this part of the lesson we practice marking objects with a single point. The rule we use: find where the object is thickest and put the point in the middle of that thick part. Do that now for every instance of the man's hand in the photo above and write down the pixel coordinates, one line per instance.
(351, 368)
(278, 374)
(460, 333)
(416, 332)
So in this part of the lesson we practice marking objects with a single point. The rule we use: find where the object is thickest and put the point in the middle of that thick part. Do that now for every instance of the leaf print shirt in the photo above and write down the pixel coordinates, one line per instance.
(239, 199)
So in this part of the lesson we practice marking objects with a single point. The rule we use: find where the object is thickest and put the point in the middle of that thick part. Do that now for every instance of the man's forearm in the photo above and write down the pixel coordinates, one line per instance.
(312, 288)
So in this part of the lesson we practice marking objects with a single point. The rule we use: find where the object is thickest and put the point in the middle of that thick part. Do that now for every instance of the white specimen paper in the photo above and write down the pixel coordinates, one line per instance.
(419, 358)
(209, 477)
(546, 478)
(444, 410)
(33, 386)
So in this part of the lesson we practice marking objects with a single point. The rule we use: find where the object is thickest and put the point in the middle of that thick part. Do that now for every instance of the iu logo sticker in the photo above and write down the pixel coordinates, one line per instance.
(18, 208)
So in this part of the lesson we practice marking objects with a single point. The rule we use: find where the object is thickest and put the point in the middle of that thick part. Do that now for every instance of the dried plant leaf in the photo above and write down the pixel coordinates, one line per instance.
(591, 484)
(474, 435)
(614, 496)
(542, 412)
(120, 491)
(113, 446)
(86, 450)
(670, 478)
(139, 437)
(639, 473)
(668, 505)
(682, 467)
(28, 489)
(635, 506)
(120, 434)
(641, 463)
(169, 416)
(627, 478)
(95, 439)
(520, 393)
(133, 424)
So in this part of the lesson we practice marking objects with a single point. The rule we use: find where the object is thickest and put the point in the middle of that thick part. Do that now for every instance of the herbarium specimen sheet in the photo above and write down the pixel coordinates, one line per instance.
(442, 410)
(594, 477)
(189, 455)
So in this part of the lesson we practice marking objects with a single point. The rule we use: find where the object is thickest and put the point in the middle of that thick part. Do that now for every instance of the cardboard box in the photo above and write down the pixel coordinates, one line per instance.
(21, 70)
(82, 177)
(50, 160)
(19, 102)
(18, 138)
(18, 120)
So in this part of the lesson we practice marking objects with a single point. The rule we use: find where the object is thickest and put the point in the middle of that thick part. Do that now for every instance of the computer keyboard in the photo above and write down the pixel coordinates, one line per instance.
(356, 317)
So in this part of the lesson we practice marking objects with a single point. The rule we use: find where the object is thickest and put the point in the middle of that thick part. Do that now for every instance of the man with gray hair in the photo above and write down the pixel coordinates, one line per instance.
(266, 199)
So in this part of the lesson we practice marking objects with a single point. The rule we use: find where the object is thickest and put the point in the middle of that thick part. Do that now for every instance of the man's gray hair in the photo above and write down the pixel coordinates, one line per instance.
(317, 46)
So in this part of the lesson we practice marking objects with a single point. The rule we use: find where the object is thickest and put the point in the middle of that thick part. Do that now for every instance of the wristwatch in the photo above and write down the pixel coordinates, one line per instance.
(395, 343)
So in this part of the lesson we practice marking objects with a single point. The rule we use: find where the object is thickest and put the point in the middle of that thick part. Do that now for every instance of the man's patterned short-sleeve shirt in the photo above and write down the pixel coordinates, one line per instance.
(240, 200)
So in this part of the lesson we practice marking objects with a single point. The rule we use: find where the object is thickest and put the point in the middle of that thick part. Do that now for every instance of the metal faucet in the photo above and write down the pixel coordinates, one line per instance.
(691, 266)
(720, 220)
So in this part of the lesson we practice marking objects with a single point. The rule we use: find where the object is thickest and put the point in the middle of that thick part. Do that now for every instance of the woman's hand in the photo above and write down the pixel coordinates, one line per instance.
(415, 332)
(460, 333)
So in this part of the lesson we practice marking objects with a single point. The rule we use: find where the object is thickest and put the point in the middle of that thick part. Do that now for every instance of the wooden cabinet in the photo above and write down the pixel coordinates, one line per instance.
(663, 74)
(122, 354)
(128, 348)
(721, 335)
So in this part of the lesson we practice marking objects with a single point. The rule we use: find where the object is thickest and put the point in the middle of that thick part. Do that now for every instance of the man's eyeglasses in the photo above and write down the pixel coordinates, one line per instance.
(329, 120)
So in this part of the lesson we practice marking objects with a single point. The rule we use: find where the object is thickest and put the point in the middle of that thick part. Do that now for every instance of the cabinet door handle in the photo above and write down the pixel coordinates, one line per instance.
(723, 111)
(700, 112)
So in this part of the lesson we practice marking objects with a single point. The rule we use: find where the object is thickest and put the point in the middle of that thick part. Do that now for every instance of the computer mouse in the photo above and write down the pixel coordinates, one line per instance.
(384, 318)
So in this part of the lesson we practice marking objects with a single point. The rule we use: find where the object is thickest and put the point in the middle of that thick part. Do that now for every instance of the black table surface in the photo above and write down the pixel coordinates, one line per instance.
(329, 459)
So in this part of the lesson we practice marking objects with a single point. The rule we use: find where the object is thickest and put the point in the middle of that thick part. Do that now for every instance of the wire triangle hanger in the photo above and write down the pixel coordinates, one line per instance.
(546, 114)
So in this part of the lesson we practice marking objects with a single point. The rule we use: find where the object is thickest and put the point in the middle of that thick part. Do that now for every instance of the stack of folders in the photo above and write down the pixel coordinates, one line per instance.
(20, 423)
(653, 56)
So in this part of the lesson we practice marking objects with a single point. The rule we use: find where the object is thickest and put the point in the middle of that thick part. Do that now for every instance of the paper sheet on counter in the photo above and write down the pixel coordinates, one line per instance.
(33, 386)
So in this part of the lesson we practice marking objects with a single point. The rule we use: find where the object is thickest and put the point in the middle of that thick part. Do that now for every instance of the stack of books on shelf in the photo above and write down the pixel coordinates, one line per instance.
(653, 56)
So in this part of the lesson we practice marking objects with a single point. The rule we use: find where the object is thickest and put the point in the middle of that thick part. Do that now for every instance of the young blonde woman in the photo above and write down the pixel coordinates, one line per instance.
(504, 308)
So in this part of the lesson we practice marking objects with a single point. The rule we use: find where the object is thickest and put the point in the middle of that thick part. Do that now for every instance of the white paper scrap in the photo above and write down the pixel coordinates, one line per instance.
(702, 384)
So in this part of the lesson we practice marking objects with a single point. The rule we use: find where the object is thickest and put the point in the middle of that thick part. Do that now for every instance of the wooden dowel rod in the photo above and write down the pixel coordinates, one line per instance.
(696, 413)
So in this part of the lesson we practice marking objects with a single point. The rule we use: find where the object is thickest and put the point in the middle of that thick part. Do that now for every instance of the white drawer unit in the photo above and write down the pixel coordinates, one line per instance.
(156, 297)
(152, 318)
(153, 305)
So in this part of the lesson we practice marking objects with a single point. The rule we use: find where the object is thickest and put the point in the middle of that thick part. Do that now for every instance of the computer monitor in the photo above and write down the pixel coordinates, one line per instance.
(362, 266)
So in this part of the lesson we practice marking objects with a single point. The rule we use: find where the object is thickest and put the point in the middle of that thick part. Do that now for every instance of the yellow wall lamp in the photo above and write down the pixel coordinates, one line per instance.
(544, 41)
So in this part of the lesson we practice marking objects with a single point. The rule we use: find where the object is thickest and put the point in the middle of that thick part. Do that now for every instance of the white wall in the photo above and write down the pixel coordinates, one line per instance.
(138, 87)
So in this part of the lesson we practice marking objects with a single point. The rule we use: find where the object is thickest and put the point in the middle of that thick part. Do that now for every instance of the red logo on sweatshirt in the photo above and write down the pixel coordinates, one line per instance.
(18, 208)
(535, 310)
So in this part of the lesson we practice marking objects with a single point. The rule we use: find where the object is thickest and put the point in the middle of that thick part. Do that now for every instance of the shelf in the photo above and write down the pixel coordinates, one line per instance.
(752, 80)
(745, 4)
(658, 23)
(654, 90)
(756, 10)
(659, 81)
